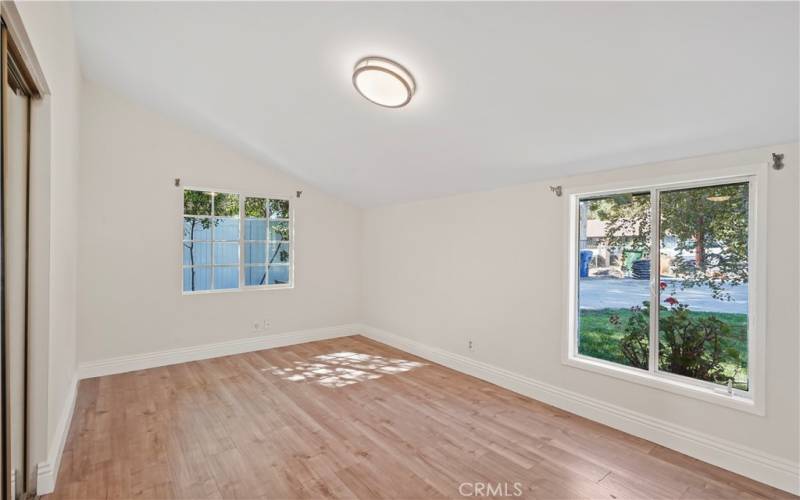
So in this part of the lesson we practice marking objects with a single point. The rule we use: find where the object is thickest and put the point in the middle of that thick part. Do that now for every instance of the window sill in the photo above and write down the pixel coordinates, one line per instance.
(239, 290)
(667, 383)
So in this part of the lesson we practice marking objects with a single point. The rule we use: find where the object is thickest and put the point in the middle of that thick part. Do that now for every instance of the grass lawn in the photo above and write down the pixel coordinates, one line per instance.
(600, 339)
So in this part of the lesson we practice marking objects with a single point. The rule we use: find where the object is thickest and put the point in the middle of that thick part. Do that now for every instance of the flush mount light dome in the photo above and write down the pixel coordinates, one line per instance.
(383, 82)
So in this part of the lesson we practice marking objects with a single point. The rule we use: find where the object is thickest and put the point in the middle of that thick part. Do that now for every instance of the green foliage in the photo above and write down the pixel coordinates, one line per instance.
(634, 346)
(226, 205)
(255, 207)
(200, 203)
(695, 347)
(279, 209)
(279, 230)
(280, 251)
(603, 333)
(196, 203)
(710, 222)
(627, 218)
(701, 345)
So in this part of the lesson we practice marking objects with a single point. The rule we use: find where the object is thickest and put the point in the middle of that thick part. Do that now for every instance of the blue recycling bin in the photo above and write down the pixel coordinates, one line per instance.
(586, 256)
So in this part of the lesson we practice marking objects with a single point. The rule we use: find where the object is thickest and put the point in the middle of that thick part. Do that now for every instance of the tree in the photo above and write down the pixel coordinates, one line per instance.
(710, 222)
(195, 203)
(627, 220)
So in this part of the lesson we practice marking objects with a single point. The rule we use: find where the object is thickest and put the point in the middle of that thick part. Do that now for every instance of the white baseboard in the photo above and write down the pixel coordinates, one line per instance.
(47, 472)
(749, 462)
(143, 361)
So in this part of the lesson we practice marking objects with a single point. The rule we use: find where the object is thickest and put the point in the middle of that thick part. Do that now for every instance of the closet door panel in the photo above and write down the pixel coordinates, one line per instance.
(15, 210)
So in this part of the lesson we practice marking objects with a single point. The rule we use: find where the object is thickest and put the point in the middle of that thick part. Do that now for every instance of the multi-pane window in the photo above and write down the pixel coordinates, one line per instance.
(223, 250)
(663, 282)
(267, 243)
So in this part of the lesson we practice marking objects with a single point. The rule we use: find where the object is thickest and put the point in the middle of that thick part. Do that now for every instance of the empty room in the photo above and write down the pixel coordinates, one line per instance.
(400, 250)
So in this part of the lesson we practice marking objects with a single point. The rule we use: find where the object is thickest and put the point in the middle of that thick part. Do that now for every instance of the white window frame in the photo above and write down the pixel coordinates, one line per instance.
(241, 265)
(751, 401)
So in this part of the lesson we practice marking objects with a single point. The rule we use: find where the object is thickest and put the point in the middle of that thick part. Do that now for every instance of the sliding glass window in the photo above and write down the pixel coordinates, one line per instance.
(662, 282)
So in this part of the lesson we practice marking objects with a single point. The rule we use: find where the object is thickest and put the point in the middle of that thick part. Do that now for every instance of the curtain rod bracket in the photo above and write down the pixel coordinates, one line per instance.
(777, 161)
(556, 190)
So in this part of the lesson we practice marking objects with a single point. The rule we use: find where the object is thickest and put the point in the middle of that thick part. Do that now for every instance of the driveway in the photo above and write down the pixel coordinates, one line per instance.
(611, 293)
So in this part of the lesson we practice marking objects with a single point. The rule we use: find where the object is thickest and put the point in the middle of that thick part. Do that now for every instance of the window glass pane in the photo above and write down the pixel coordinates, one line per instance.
(226, 277)
(255, 229)
(226, 254)
(255, 252)
(197, 228)
(614, 271)
(278, 275)
(255, 207)
(278, 209)
(226, 204)
(278, 230)
(226, 229)
(255, 275)
(196, 202)
(196, 254)
(196, 279)
(703, 289)
(278, 252)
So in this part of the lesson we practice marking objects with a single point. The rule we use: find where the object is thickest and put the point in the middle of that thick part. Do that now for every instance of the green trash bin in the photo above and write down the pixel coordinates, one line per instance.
(629, 258)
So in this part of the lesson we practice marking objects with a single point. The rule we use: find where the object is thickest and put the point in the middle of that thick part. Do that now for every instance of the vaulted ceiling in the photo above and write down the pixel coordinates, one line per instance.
(507, 92)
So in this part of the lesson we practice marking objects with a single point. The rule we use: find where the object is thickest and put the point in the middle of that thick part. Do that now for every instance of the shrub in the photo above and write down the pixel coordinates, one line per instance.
(692, 346)
(635, 342)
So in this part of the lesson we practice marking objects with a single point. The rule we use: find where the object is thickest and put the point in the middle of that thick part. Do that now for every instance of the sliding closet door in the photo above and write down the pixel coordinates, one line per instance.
(16, 237)
(16, 107)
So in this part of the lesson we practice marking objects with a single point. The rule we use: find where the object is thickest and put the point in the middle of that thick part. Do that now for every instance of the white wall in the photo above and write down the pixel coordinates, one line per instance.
(491, 267)
(129, 299)
(54, 165)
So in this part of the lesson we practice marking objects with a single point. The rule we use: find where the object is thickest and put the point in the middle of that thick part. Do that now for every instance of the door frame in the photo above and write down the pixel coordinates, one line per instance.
(16, 44)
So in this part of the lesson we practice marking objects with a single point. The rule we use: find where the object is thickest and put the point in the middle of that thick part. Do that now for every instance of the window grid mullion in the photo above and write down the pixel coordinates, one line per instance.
(213, 236)
(267, 211)
(241, 240)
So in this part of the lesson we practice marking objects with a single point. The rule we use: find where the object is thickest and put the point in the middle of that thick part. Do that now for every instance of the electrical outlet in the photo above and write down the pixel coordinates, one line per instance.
(267, 324)
(257, 326)
(469, 346)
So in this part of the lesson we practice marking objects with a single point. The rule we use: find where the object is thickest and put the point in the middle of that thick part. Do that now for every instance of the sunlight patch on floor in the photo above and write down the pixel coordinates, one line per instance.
(339, 369)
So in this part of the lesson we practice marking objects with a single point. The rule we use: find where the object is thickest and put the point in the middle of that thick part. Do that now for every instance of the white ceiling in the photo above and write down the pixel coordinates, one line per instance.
(507, 92)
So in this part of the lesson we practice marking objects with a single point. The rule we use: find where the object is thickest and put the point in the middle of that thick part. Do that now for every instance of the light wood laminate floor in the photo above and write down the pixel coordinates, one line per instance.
(353, 418)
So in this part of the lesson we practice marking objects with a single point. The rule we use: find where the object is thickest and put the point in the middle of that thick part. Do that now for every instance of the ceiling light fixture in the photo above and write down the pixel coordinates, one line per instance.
(383, 82)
